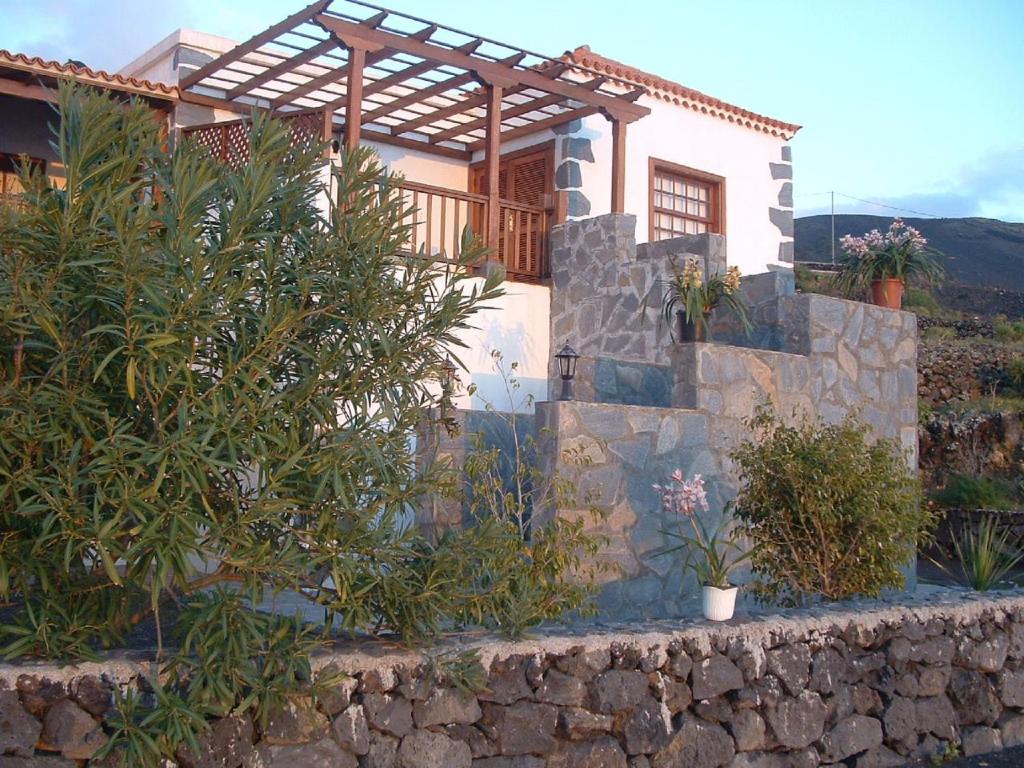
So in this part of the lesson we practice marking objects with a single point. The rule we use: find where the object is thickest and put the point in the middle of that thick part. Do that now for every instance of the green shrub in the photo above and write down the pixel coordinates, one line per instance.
(976, 492)
(922, 301)
(1015, 370)
(832, 514)
(1009, 331)
(938, 333)
(986, 553)
(206, 382)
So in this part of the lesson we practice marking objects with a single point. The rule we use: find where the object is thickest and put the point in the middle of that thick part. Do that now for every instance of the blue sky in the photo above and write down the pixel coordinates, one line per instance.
(915, 104)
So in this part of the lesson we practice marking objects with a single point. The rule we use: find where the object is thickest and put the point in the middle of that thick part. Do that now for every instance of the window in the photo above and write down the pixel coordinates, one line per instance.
(684, 201)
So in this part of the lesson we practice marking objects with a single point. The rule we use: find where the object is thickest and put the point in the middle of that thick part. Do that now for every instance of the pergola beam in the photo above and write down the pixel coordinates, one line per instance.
(443, 113)
(540, 125)
(253, 43)
(485, 68)
(417, 96)
(514, 111)
(270, 73)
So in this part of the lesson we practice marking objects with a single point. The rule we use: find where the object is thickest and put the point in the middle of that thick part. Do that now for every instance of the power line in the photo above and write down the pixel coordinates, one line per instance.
(871, 202)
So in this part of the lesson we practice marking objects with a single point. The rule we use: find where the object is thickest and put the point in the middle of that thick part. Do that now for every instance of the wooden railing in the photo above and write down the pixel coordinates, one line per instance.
(441, 215)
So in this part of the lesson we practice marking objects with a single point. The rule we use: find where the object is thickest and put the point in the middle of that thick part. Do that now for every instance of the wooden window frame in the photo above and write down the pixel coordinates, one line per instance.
(716, 198)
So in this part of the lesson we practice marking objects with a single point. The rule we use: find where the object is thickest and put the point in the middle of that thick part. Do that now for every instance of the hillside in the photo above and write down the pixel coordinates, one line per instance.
(980, 252)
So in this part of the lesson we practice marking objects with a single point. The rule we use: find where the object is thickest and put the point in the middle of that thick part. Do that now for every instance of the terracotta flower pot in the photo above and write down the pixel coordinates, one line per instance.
(719, 604)
(887, 292)
(690, 331)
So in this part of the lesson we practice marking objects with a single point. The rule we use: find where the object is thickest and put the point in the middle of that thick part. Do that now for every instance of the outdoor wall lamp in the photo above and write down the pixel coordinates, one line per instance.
(567, 358)
(449, 377)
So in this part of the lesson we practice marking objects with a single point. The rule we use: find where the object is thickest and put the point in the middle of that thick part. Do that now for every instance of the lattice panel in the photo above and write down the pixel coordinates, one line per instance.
(229, 142)
(307, 128)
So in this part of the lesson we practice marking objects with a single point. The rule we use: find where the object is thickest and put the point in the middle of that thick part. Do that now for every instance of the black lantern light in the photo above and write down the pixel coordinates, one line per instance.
(449, 377)
(567, 358)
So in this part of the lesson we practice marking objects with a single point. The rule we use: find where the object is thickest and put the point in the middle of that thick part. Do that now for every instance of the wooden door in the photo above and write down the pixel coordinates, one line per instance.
(525, 177)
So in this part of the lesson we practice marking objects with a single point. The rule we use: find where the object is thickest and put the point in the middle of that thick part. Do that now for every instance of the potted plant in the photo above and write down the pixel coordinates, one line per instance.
(690, 299)
(711, 555)
(885, 261)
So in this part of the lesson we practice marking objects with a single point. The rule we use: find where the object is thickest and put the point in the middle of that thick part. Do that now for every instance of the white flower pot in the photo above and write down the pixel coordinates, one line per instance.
(719, 604)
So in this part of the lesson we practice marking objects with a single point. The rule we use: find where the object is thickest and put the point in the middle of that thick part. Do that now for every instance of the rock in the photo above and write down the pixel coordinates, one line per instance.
(618, 690)
(979, 740)
(677, 695)
(446, 706)
(40, 761)
(866, 700)
(857, 733)
(680, 664)
(93, 695)
(989, 655)
(37, 695)
(714, 676)
(900, 719)
(479, 744)
(70, 730)
(562, 689)
(352, 731)
(648, 728)
(748, 731)
(519, 761)
(696, 745)
(227, 744)
(383, 752)
(790, 664)
(426, 749)
(579, 724)
(880, 757)
(337, 696)
(19, 731)
(320, 754)
(758, 760)
(935, 715)
(1011, 688)
(605, 752)
(933, 681)
(639, 761)
(934, 650)
(296, 721)
(388, 713)
(899, 651)
(974, 698)
(799, 722)
(506, 682)
(805, 758)
(1011, 730)
(717, 710)
(827, 668)
(527, 728)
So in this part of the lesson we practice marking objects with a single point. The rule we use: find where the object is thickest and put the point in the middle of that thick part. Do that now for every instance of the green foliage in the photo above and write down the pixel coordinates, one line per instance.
(1015, 370)
(720, 551)
(459, 669)
(921, 301)
(537, 569)
(1009, 331)
(938, 333)
(986, 553)
(689, 292)
(207, 381)
(976, 492)
(831, 513)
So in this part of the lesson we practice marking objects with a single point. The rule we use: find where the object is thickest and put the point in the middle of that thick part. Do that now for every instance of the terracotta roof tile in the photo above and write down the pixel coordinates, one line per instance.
(676, 93)
(37, 65)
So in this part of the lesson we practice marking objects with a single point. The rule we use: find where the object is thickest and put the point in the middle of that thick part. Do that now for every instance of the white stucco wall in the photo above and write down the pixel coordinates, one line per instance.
(685, 137)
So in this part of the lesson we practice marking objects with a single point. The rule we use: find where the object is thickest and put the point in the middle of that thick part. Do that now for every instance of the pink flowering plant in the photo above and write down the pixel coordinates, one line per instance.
(711, 554)
(899, 253)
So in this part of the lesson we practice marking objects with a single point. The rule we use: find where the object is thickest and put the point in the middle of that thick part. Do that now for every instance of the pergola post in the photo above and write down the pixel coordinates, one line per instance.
(354, 105)
(492, 162)
(618, 165)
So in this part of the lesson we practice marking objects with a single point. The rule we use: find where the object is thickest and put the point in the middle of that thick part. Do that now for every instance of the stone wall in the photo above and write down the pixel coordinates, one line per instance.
(863, 685)
(962, 371)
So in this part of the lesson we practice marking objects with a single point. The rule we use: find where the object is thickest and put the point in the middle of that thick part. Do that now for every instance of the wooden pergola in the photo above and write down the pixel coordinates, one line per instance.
(384, 76)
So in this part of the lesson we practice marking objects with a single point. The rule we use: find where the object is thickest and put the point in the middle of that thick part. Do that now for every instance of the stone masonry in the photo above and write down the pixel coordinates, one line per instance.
(861, 686)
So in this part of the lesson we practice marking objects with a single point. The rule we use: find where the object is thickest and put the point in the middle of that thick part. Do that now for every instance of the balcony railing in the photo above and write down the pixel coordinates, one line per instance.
(441, 215)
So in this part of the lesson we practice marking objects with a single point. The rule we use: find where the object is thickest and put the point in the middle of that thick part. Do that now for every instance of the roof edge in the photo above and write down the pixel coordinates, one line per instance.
(126, 83)
(677, 93)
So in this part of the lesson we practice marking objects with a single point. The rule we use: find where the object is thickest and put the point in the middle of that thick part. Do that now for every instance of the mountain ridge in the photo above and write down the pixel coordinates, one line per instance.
(975, 251)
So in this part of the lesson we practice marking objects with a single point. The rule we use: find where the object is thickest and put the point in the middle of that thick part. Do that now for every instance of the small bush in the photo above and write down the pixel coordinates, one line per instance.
(831, 513)
(1009, 331)
(938, 333)
(922, 301)
(973, 492)
(986, 554)
(1015, 370)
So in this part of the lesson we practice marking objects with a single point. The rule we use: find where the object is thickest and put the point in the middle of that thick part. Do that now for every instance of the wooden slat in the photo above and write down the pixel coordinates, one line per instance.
(484, 68)
(515, 111)
(416, 96)
(308, 13)
(540, 125)
(282, 67)
(618, 166)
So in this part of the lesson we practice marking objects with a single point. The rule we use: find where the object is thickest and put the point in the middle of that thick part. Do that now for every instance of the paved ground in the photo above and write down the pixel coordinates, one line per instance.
(1008, 758)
